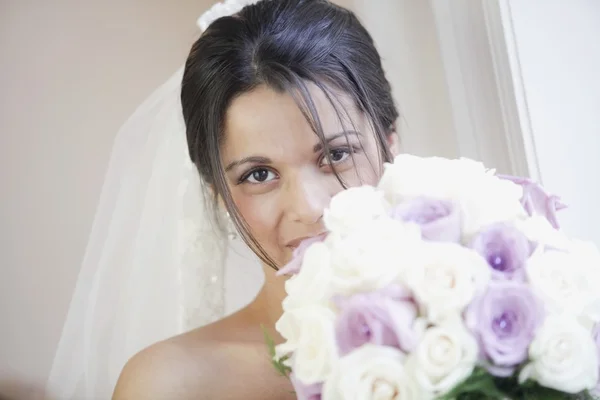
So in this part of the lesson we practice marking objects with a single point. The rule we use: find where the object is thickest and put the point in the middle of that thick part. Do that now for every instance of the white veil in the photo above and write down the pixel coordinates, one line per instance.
(154, 266)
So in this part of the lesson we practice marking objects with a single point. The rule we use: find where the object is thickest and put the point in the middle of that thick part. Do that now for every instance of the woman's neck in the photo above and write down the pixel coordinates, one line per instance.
(268, 304)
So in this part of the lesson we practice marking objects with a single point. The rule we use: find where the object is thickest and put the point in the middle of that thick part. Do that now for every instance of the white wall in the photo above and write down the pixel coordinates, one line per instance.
(70, 73)
(558, 44)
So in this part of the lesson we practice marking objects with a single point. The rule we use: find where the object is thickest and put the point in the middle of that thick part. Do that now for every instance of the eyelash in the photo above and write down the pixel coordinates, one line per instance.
(349, 150)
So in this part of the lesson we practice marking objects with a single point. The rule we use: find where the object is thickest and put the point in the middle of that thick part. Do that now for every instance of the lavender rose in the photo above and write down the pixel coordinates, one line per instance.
(439, 219)
(505, 248)
(293, 267)
(504, 320)
(306, 392)
(383, 318)
(536, 200)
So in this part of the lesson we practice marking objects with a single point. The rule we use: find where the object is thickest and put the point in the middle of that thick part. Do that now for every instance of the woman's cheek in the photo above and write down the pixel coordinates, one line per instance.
(261, 213)
(363, 173)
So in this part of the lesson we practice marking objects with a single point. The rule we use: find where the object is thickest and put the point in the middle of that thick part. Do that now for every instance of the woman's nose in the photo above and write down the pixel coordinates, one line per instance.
(307, 198)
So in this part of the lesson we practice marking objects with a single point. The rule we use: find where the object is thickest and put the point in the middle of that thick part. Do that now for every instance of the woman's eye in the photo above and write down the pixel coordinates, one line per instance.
(260, 175)
(336, 156)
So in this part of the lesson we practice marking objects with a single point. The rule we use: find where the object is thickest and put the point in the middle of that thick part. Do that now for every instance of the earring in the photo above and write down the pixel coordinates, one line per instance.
(230, 227)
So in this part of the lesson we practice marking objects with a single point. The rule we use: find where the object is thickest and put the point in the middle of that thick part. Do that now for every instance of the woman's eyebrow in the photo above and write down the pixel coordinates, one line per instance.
(247, 160)
(319, 146)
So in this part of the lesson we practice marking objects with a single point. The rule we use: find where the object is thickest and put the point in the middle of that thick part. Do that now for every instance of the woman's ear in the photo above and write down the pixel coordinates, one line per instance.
(393, 140)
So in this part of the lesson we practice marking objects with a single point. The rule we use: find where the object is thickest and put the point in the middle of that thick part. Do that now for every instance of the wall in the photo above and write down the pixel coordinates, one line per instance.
(70, 73)
(406, 36)
(558, 46)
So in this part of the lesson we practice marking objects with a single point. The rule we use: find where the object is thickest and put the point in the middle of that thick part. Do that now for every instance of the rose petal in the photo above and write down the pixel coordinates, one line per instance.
(505, 248)
(504, 320)
(293, 267)
(439, 219)
(381, 318)
(537, 201)
(306, 392)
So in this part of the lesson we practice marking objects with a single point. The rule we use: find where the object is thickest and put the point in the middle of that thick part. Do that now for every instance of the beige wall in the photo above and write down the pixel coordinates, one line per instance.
(70, 73)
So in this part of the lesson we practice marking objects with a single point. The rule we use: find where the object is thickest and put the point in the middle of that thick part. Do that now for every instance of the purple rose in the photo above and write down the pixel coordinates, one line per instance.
(383, 318)
(306, 392)
(536, 200)
(505, 248)
(439, 219)
(293, 267)
(504, 319)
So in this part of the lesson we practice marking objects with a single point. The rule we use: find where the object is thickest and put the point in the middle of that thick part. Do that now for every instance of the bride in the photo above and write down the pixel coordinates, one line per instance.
(285, 103)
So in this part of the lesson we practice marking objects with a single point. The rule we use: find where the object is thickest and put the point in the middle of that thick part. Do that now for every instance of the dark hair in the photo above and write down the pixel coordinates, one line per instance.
(283, 44)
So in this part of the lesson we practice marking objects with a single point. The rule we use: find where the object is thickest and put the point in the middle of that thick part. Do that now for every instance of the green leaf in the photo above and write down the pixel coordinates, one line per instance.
(269, 341)
(278, 364)
(531, 390)
(480, 385)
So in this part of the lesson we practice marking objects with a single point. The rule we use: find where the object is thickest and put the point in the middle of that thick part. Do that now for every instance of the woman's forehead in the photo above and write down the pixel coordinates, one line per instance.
(265, 114)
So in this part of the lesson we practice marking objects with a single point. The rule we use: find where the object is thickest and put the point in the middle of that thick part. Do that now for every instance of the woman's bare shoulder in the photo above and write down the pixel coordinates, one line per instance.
(225, 360)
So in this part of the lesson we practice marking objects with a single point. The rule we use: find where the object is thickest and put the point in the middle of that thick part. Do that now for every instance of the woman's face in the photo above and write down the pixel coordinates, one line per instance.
(278, 173)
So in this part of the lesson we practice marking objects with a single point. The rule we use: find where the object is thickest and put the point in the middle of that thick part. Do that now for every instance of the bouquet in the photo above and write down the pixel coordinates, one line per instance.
(446, 281)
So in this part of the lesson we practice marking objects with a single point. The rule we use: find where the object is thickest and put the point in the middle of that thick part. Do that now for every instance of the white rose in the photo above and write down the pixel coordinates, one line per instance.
(483, 197)
(351, 208)
(372, 257)
(445, 357)
(411, 176)
(290, 326)
(567, 281)
(487, 201)
(562, 356)
(372, 372)
(311, 286)
(539, 230)
(446, 278)
(311, 337)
